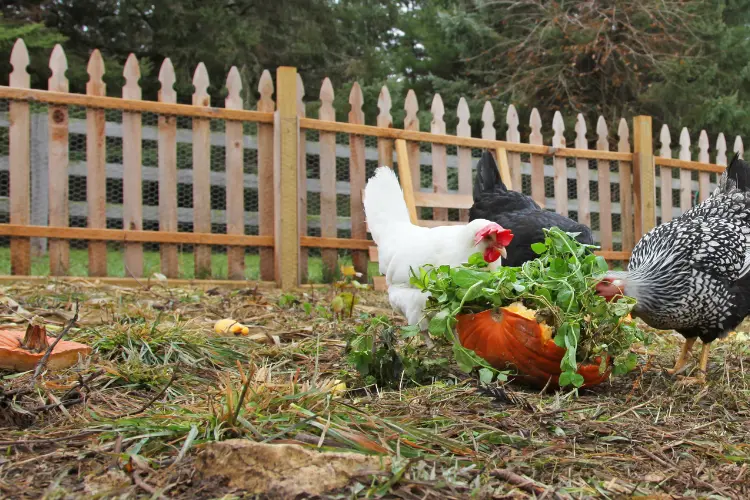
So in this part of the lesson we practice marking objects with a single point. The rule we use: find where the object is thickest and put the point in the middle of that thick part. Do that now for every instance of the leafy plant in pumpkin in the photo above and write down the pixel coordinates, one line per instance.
(552, 295)
(343, 303)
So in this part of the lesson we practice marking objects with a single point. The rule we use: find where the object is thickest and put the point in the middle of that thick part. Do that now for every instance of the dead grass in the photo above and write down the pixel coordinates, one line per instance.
(160, 386)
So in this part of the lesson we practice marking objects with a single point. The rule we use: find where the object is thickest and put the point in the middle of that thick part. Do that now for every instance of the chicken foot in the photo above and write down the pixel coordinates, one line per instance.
(681, 363)
(700, 378)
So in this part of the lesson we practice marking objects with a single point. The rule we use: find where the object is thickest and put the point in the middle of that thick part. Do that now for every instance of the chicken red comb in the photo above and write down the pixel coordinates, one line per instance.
(504, 236)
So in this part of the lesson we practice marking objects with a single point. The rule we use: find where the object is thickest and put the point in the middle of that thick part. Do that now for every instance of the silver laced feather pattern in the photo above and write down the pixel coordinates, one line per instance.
(684, 272)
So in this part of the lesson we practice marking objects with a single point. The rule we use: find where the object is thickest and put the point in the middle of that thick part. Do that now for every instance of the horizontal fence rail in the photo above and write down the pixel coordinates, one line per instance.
(276, 195)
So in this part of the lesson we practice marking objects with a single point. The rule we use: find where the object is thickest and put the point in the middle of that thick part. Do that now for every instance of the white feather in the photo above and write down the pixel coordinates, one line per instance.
(403, 246)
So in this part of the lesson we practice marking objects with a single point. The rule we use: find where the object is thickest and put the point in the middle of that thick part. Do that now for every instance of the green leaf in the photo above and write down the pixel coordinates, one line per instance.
(485, 376)
(477, 259)
(577, 379)
(539, 248)
(409, 331)
(565, 299)
(601, 265)
(438, 324)
(566, 378)
(466, 278)
(464, 360)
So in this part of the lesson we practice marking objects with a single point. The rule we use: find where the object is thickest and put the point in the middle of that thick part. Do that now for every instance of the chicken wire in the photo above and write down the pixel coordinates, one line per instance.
(78, 216)
(452, 161)
(78, 206)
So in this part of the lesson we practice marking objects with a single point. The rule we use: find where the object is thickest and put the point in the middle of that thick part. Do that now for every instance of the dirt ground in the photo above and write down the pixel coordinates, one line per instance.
(161, 394)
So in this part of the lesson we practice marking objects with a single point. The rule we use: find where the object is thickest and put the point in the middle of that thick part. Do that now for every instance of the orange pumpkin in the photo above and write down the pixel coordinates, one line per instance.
(509, 341)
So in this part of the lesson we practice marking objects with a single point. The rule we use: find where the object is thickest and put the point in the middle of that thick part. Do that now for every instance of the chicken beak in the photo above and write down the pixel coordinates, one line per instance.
(503, 253)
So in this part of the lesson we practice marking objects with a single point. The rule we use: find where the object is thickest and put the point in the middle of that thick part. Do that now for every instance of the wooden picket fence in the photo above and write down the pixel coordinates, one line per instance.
(613, 191)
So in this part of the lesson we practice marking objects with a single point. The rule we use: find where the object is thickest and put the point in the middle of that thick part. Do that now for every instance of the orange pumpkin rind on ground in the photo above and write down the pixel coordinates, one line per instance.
(21, 351)
(512, 339)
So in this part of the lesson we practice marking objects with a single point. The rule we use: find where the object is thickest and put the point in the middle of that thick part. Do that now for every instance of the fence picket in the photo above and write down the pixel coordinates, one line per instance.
(20, 161)
(59, 250)
(328, 181)
(583, 193)
(686, 192)
(132, 194)
(96, 174)
(201, 172)
(488, 122)
(704, 179)
(385, 120)
(721, 150)
(739, 147)
(626, 188)
(302, 171)
(266, 193)
(605, 193)
(665, 174)
(537, 161)
(411, 122)
(560, 165)
(235, 190)
(439, 159)
(514, 159)
(357, 179)
(167, 141)
(463, 129)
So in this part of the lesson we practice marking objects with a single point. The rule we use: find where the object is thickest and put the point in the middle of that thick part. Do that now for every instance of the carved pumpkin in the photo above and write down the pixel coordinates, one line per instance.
(508, 340)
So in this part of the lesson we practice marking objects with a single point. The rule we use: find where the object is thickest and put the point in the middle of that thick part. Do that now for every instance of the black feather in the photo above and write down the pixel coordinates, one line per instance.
(738, 172)
(517, 212)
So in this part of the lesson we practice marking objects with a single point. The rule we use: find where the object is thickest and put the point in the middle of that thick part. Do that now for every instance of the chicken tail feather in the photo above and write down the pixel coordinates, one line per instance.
(736, 176)
(384, 203)
(488, 177)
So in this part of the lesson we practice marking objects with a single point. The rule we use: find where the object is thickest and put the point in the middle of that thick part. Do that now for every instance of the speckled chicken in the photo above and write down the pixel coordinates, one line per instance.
(692, 273)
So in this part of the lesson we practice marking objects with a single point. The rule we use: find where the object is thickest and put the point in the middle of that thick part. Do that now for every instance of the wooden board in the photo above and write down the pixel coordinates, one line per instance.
(167, 142)
(327, 157)
(132, 169)
(266, 194)
(445, 200)
(201, 173)
(57, 123)
(20, 161)
(405, 177)
(357, 179)
(286, 180)
(96, 174)
(136, 236)
(132, 105)
(537, 161)
(235, 189)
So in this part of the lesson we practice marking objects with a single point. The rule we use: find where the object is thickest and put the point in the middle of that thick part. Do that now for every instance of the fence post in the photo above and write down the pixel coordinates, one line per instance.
(286, 179)
(643, 175)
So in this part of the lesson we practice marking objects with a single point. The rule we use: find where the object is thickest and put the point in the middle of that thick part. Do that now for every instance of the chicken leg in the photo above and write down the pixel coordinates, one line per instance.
(679, 366)
(700, 378)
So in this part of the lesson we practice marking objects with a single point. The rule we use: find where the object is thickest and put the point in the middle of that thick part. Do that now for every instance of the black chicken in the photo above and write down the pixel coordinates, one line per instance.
(517, 212)
(691, 274)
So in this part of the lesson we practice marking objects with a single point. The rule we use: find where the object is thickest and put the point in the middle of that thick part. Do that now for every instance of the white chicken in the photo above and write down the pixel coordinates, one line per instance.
(403, 246)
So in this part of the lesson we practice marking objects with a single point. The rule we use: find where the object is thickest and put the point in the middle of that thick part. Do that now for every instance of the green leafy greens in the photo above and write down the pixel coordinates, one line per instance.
(559, 285)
